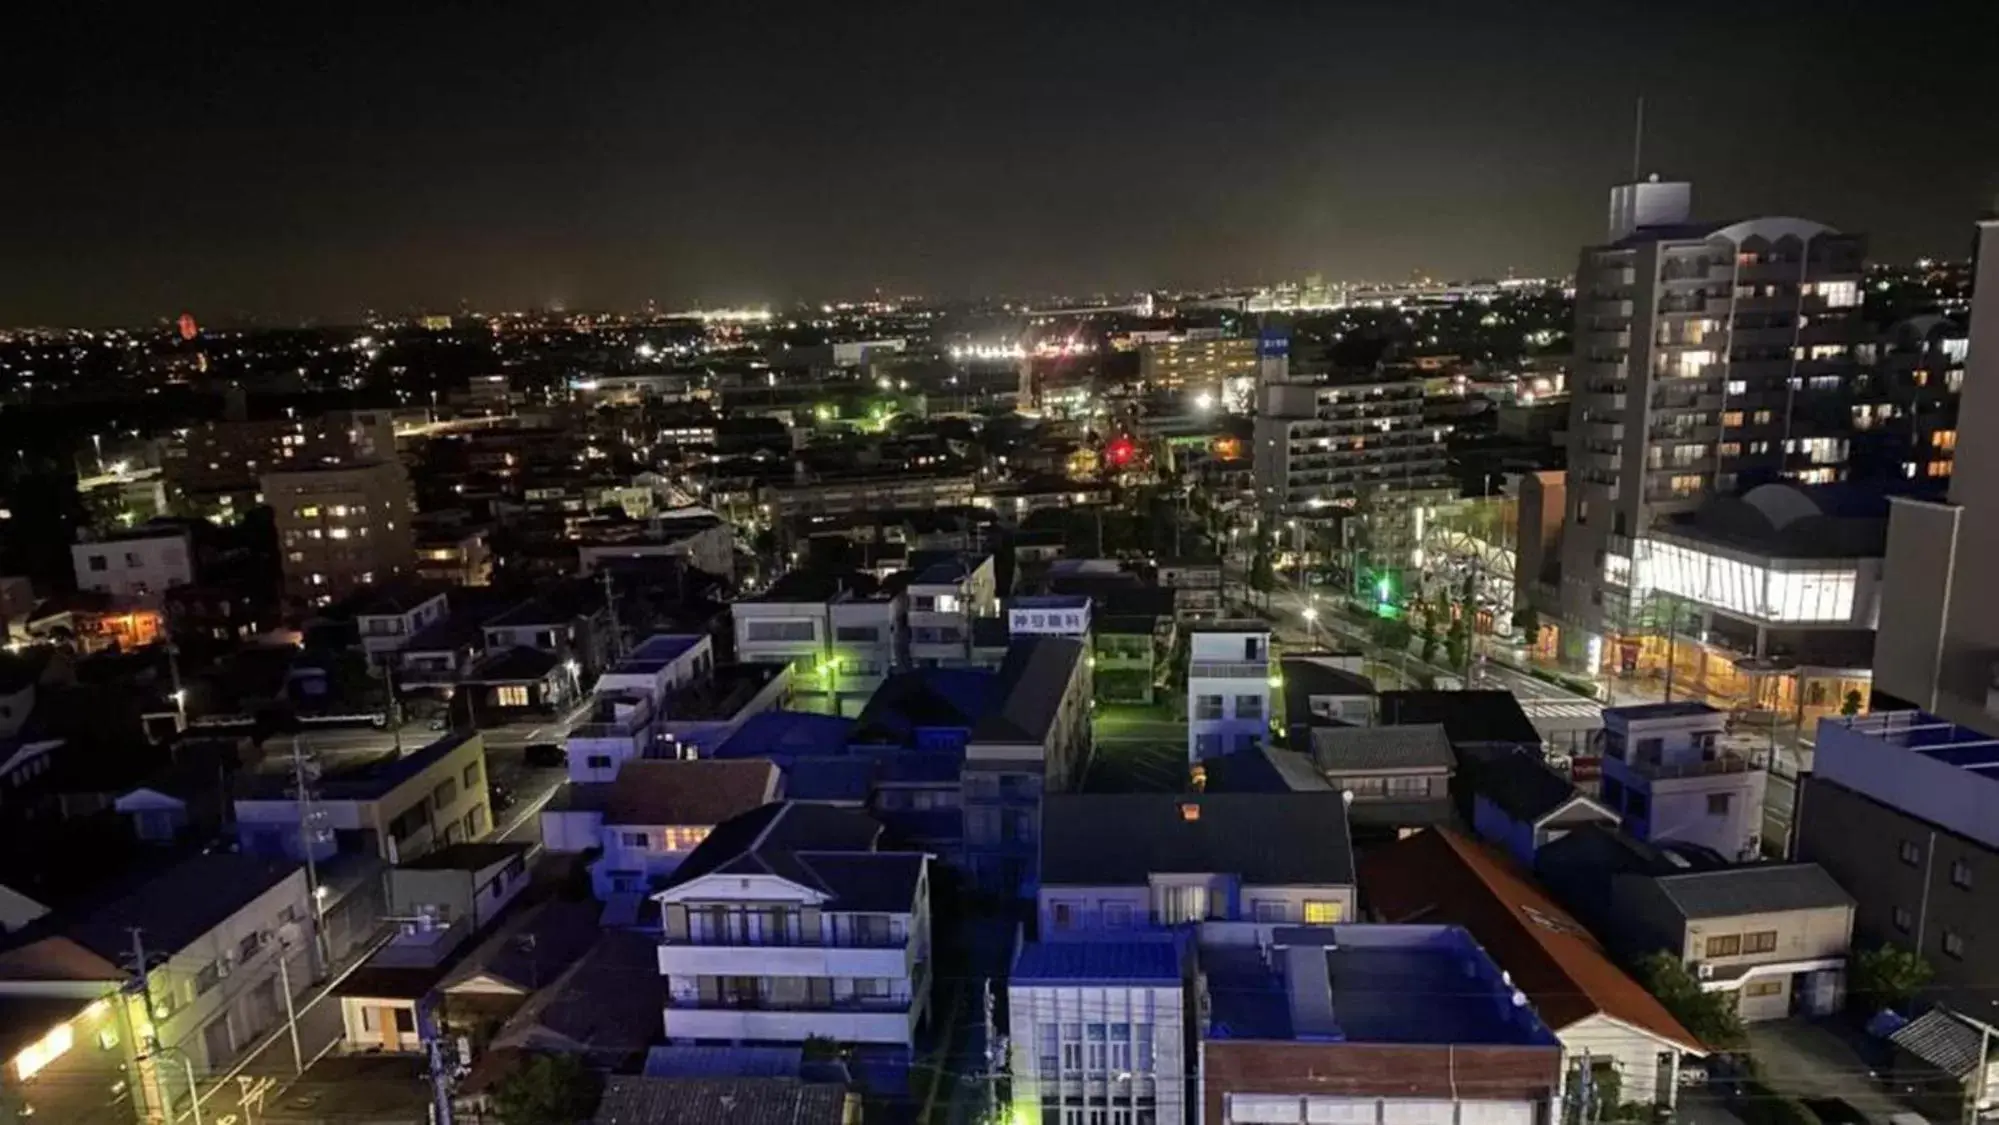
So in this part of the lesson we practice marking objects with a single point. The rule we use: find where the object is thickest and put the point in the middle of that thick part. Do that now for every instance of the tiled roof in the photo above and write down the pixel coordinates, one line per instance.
(1268, 839)
(1521, 785)
(720, 1101)
(1365, 749)
(702, 792)
(1753, 889)
(1438, 876)
(817, 846)
(1032, 679)
(1941, 1039)
(178, 905)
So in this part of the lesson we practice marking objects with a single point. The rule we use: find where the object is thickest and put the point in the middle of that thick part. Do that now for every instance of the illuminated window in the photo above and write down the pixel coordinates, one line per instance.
(335, 533)
(308, 513)
(1944, 439)
(1322, 913)
(39, 1054)
(1732, 418)
(1839, 294)
(512, 695)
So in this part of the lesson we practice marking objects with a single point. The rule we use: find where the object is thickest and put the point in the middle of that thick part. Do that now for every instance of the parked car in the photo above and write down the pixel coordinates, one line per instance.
(546, 755)
(502, 798)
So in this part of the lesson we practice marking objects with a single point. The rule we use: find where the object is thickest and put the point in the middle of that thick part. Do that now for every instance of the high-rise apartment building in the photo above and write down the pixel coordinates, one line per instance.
(1937, 645)
(1710, 356)
(342, 527)
(1325, 447)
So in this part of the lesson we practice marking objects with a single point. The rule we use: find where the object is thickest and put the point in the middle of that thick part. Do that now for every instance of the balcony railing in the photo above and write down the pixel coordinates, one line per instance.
(1229, 669)
(791, 940)
(1694, 767)
(762, 1004)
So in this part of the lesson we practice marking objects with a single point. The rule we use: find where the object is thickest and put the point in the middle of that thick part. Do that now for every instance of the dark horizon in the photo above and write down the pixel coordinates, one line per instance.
(290, 168)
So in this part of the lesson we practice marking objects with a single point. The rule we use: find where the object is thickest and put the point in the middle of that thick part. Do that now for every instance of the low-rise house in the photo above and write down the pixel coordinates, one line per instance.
(1196, 586)
(1595, 1009)
(759, 1100)
(655, 814)
(1667, 772)
(1107, 1018)
(389, 617)
(519, 682)
(1228, 687)
(138, 566)
(1324, 690)
(786, 924)
(397, 808)
(1360, 1023)
(568, 621)
(1124, 861)
(1776, 935)
(1519, 803)
(1396, 778)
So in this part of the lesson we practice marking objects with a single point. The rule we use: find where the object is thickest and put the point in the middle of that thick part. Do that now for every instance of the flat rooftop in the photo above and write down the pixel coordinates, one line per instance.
(1412, 985)
(1677, 709)
(1049, 601)
(658, 651)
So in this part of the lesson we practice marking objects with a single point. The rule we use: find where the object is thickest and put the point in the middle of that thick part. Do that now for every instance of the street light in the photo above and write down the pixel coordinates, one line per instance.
(1311, 616)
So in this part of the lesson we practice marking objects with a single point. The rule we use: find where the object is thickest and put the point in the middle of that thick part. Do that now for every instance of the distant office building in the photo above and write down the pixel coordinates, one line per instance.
(342, 527)
(1709, 357)
(1201, 365)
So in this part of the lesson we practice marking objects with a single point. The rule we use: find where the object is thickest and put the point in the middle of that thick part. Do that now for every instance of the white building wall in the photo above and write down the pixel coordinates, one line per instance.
(133, 568)
(1040, 1018)
(1634, 1053)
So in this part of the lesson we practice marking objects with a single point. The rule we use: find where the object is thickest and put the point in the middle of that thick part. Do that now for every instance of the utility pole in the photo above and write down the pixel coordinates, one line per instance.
(291, 1012)
(441, 1073)
(611, 609)
(307, 833)
(145, 1048)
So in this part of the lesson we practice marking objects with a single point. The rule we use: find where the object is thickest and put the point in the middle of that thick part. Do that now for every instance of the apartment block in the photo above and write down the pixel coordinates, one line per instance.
(1709, 357)
(1198, 363)
(1902, 809)
(787, 924)
(342, 527)
(1667, 774)
(944, 600)
(396, 807)
(389, 618)
(842, 635)
(1228, 687)
(1034, 741)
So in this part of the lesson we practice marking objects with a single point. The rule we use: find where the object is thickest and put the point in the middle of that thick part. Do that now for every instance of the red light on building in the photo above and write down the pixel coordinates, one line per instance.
(1120, 451)
(188, 328)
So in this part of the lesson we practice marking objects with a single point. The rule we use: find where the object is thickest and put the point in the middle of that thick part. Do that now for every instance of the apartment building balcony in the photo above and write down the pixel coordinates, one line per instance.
(847, 1021)
(886, 957)
(1228, 670)
(1723, 762)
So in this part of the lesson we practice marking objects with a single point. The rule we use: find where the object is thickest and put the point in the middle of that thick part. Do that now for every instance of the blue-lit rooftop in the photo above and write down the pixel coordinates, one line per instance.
(1913, 761)
(1367, 984)
(1049, 601)
(1087, 962)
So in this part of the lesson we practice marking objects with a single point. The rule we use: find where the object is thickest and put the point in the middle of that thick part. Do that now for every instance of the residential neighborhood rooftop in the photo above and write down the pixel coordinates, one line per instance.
(1085, 962)
(1263, 838)
(1756, 888)
(696, 792)
(1382, 749)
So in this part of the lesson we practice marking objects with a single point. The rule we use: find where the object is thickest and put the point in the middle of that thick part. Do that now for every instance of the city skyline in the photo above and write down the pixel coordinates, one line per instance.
(289, 171)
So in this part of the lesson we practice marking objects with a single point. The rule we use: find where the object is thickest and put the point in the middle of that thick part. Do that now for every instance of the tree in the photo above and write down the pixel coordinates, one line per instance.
(1429, 632)
(1711, 1016)
(1262, 577)
(1528, 620)
(1850, 706)
(1889, 976)
(1392, 633)
(548, 1090)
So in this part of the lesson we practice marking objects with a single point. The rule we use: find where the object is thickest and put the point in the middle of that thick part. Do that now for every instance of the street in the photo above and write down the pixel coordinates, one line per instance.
(265, 1069)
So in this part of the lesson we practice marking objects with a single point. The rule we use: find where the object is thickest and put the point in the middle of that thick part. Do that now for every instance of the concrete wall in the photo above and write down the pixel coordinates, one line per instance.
(1909, 899)
(1071, 1013)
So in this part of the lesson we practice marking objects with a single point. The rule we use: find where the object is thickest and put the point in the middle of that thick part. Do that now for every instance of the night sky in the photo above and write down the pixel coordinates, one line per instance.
(257, 162)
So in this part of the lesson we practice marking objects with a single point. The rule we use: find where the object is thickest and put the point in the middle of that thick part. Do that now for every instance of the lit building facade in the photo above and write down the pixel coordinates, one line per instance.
(1709, 357)
(342, 527)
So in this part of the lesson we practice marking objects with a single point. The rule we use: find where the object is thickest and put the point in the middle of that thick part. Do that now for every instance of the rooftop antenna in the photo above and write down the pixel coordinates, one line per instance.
(1638, 140)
